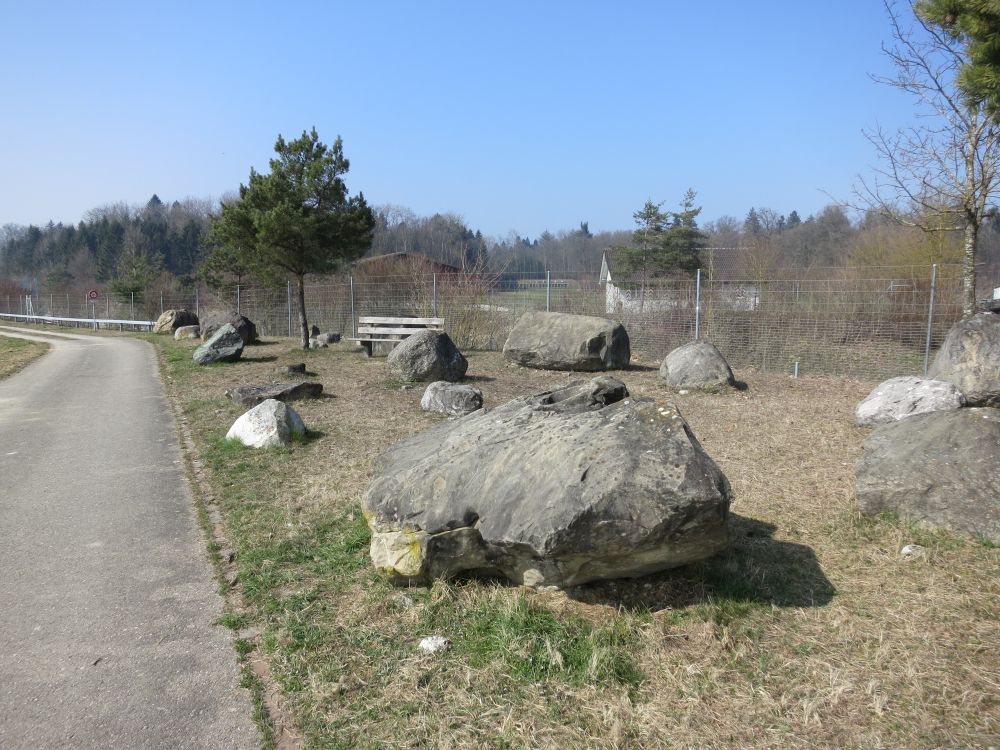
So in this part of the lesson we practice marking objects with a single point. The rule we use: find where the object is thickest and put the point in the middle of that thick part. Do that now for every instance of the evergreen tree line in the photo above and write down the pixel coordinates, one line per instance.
(125, 248)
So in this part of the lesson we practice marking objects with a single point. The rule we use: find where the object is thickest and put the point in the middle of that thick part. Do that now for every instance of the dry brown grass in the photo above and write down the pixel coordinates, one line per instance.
(811, 631)
(16, 354)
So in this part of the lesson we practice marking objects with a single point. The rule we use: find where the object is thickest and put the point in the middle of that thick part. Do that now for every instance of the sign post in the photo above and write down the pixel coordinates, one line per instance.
(92, 296)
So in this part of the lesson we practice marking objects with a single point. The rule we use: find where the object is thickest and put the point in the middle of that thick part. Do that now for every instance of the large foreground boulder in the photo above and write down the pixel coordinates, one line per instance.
(427, 355)
(170, 320)
(560, 341)
(907, 396)
(453, 399)
(970, 358)
(574, 485)
(212, 322)
(696, 365)
(270, 423)
(225, 346)
(251, 395)
(939, 469)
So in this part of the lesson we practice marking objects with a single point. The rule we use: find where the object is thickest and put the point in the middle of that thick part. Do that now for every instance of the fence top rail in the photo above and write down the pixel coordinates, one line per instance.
(91, 321)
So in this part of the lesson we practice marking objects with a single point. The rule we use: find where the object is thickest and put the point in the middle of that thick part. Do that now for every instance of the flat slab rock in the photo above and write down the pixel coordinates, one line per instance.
(907, 396)
(560, 341)
(938, 469)
(560, 488)
(251, 395)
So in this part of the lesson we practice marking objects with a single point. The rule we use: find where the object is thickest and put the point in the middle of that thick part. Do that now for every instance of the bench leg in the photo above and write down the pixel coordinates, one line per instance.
(367, 346)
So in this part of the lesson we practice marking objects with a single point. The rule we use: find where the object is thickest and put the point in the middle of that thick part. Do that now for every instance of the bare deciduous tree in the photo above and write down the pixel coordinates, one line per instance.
(941, 174)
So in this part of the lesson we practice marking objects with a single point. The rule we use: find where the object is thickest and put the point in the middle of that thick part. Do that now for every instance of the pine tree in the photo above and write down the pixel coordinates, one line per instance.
(298, 219)
(976, 24)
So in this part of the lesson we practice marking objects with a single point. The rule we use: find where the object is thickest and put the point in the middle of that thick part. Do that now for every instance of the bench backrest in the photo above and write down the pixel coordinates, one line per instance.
(375, 320)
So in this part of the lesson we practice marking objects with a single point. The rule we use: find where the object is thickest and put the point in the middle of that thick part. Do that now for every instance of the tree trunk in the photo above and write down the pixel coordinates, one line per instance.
(969, 269)
(300, 293)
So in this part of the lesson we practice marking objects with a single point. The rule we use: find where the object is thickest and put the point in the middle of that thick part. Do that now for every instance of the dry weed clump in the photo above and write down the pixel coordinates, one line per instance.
(810, 631)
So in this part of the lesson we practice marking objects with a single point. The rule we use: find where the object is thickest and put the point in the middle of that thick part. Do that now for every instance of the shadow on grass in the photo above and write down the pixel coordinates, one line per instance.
(633, 367)
(270, 358)
(756, 569)
(477, 379)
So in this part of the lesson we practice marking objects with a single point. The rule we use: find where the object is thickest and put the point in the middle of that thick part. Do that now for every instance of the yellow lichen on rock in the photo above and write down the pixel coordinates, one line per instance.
(399, 554)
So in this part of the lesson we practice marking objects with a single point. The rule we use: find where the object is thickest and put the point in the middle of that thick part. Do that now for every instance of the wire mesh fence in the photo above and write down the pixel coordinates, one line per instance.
(862, 322)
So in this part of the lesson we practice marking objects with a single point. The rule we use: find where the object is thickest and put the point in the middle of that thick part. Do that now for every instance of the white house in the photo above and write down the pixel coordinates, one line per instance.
(718, 278)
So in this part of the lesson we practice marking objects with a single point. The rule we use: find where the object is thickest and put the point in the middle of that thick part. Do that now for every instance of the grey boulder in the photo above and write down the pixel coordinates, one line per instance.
(427, 355)
(270, 423)
(322, 340)
(970, 358)
(243, 325)
(696, 365)
(454, 399)
(170, 320)
(187, 332)
(938, 469)
(560, 341)
(907, 396)
(251, 395)
(225, 346)
(557, 489)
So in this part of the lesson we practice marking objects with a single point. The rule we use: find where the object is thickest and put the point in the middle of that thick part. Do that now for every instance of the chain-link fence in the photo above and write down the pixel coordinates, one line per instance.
(864, 322)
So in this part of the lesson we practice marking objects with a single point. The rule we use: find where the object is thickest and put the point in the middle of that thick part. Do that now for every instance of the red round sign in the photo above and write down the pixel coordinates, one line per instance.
(92, 294)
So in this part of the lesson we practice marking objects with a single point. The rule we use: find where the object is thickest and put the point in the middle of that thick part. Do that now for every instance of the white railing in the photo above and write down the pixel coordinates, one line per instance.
(94, 323)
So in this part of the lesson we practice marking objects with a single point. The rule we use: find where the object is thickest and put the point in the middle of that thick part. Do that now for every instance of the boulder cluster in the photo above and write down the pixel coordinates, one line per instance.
(934, 455)
(553, 489)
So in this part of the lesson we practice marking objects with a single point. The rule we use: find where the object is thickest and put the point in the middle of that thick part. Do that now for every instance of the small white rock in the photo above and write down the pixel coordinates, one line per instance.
(913, 550)
(683, 392)
(434, 643)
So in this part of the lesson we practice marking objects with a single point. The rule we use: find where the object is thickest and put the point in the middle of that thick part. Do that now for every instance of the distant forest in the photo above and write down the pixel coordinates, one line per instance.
(161, 246)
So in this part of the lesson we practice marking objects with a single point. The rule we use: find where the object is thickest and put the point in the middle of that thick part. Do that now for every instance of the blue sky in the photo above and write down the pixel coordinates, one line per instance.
(516, 116)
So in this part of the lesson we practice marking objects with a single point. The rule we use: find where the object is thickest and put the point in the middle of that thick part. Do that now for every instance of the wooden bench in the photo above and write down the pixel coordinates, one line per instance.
(374, 330)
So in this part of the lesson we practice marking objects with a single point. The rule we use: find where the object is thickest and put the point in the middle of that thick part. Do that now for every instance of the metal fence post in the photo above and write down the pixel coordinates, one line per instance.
(548, 291)
(697, 306)
(288, 297)
(107, 304)
(354, 320)
(161, 303)
(930, 318)
(197, 303)
(132, 306)
(434, 295)
(238, 300)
